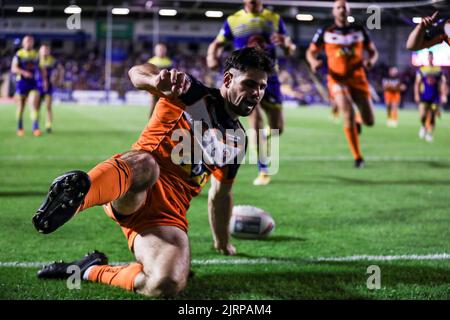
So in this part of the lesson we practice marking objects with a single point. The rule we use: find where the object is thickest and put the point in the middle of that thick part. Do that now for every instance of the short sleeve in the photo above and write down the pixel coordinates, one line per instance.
(225, 33)
(317, 40)
(282, 27)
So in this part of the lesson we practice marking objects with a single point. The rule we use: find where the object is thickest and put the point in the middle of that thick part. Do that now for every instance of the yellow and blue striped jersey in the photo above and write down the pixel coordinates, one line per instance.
(431, 79)
(27, 60)
(161, 63)
(48, 63)
(246, 29)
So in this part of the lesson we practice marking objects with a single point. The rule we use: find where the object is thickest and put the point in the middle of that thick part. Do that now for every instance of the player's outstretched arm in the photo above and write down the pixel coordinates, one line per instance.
(220, 206)
(162, 83)
(416, 39)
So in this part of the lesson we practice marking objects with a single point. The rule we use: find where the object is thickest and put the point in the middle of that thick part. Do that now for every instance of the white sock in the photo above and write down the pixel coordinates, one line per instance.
(86, 273)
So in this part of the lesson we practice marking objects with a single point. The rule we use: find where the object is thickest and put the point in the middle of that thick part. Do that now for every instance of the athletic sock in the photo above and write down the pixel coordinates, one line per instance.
(120, 276)
(109, 181)
(353, 141)
(35, 125)
(35, 119)
(20, 124)
(394, 115)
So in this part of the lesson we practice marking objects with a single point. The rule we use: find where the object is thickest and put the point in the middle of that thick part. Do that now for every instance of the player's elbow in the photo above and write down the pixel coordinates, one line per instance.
(132, 75)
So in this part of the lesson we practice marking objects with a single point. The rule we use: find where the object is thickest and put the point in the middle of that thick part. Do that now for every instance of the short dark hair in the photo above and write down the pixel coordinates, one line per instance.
(249, 58)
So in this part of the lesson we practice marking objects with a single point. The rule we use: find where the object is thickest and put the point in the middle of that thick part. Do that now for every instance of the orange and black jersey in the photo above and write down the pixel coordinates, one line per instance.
(391, 84)
(344, 48)
(192, 139)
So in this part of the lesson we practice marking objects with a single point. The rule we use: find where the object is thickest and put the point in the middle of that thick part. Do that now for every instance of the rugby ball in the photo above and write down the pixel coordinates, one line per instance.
(248, 222)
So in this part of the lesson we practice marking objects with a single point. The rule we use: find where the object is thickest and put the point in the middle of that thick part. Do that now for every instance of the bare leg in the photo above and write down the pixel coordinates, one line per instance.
(165, 256)
(35, 109)
(423, 120)
(49, 120)
(21, 101)
(344, 104)
(365, 108)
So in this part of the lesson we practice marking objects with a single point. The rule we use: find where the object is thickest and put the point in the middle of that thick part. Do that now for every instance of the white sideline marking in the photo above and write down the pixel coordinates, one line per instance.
(244, 261)
(286, 158)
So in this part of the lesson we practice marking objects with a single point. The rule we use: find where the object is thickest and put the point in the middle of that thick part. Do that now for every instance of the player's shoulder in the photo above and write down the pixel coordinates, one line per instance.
(27, 54)
(270, 14)
(153, 60)
(328, 28)
(51, 59)
(237, 15)
(21, 53)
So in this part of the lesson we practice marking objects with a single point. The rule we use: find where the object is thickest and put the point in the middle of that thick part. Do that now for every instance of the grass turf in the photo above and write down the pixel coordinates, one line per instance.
(322, 206)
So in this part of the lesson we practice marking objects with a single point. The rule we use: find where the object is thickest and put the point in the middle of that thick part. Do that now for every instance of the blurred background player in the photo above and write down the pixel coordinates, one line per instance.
(392, 87)
(47, 65)
(428, 33)
(430, 90)
(344, 46)
(162, 61)
(255, 26)
(25, 65)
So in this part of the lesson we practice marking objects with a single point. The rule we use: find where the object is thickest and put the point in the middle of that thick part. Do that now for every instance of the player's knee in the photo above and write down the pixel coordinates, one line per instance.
(144, 168)
(164, 287)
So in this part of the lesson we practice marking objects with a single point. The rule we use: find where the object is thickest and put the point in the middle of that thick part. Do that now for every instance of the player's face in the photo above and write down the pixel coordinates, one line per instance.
(341, 10)
(44, 50)
(28, 43)
(430, 59)
(245, 90)
(160, 50)
(253, 6)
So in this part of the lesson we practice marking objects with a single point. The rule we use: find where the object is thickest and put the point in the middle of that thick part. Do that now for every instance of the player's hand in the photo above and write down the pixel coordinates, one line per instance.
(212, 62)
(428, 21)
(45, 85)
(417, 99)
(316, 64)
(277, 39)
(443, 99)
(172, 83)
(226, 249)
(27, 74)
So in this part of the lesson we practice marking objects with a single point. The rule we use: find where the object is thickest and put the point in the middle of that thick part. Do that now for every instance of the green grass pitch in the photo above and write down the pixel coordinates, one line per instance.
(323, 207)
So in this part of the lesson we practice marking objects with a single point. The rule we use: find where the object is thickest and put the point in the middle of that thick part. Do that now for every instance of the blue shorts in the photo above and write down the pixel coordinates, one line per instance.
(43, 92)
(24, 86)
(430, 99)
(273, 94)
